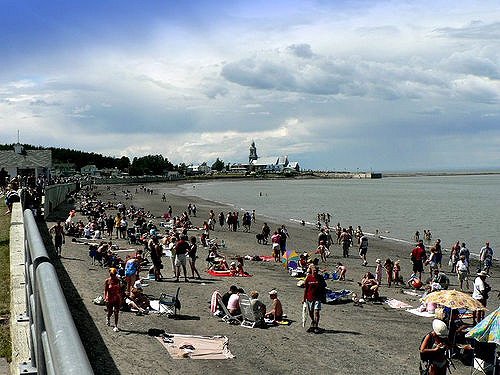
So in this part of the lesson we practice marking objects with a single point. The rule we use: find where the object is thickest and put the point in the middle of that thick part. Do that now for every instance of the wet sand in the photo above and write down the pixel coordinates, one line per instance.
(372, 339)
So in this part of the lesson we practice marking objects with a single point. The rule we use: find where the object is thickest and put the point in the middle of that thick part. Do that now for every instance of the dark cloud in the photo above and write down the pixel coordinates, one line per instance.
(301, 50)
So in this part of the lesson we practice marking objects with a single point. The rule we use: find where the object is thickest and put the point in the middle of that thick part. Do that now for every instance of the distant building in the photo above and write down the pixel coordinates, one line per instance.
(64, 169)
(90, 170)
(21, 162)
(275, 164)
(202, 168)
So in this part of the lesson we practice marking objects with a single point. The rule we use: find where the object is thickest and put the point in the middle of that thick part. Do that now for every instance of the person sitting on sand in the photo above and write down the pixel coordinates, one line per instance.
(138, 300)
(258, 307)
(232, 268)
(223, 266)
(239, 266)
(369, 286)
(341, 271)
(276, 313)
(415, 282)
(233, 304)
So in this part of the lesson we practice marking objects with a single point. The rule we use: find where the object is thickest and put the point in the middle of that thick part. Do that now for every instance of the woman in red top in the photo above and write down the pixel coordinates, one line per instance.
(112, 296)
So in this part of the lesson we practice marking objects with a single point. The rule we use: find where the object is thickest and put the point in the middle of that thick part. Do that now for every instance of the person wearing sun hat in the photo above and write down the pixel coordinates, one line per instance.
(112, 296)
(276, 313)
(433, 348)
(480, 292)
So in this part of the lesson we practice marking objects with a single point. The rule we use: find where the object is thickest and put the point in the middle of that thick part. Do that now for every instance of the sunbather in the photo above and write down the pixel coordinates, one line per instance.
(259, 308)
(276, 313)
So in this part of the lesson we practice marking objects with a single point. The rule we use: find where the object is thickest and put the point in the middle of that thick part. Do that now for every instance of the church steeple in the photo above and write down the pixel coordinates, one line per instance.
(253, 153)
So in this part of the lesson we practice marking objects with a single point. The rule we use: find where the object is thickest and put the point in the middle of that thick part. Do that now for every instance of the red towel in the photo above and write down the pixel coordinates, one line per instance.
(226, 274)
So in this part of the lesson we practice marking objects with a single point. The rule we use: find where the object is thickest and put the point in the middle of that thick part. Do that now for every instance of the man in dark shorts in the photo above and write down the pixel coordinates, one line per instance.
(314, 295)
(181, 249)
(345, 239)
(363, 248)
(418, 256)
(58, 230)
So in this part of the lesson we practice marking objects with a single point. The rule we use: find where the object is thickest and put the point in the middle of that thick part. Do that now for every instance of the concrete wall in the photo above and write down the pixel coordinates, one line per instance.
(55, 195)
(19, 330)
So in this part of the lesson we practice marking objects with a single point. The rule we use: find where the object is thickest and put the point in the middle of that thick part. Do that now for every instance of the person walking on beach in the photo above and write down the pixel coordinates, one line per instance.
(193, 247)
(363, 248)
(454, 256)
(345, 239)
(221, 220)
(283, 236)
(181, 250)
(465, 252)
(58, 231)
(266, 230)
(485, 258)
(439, 253)
(314, 295)
(417, 257)
(462, 269)
(112, 296)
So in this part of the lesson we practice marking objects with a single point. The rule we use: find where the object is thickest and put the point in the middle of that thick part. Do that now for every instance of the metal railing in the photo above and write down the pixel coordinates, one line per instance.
(55, 345)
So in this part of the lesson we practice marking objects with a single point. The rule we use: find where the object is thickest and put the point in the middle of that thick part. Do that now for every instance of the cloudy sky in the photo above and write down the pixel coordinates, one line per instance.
(382, 85)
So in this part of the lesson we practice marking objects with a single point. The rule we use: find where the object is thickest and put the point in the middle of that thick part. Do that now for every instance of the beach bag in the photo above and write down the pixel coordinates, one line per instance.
(99, 300)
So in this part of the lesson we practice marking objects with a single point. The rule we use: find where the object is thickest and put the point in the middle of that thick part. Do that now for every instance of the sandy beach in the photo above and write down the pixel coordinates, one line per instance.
(371, 339)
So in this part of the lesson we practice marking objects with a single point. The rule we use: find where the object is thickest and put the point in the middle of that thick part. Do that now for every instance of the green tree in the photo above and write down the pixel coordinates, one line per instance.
(218, 165)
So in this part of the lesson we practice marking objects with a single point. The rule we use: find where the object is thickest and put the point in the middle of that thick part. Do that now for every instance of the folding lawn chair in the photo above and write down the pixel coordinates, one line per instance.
(249, 320)
(228, 318)
(484, 358)
(169, 304)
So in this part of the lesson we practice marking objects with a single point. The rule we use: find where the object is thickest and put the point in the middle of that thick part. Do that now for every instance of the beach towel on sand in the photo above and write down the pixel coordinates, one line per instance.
(332, 296)
(395, 304)
(197, 347)
(226, 274)
(416, 311)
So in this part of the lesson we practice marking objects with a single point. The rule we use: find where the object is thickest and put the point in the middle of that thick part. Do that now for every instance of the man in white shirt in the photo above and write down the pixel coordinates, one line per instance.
(481, 289)
(463, 272)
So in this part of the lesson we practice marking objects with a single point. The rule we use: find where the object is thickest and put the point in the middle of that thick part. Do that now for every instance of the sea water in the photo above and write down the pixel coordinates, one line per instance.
(453, 208)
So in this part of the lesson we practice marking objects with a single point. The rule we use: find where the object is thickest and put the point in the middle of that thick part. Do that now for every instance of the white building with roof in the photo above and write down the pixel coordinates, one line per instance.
(21, 162)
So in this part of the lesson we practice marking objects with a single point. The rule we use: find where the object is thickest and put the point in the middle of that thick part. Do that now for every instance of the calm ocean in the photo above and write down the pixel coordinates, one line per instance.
(464, 208)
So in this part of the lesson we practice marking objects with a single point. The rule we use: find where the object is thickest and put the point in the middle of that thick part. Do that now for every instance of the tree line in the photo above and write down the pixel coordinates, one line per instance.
(144, 165)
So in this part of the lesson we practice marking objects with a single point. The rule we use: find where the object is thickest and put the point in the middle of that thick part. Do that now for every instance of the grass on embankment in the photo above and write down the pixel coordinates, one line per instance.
(5, 343)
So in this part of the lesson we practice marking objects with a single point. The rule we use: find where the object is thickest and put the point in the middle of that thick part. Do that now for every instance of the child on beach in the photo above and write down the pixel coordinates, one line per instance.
(396, 270)
(378, 272)
(322, 251)
(341, 271)
(389, 266)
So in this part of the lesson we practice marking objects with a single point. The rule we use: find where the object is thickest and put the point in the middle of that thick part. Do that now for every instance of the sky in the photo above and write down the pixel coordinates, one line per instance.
(335, 85)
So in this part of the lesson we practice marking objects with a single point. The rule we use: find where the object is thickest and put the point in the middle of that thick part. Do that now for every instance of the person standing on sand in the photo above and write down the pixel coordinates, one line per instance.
(181, 249)
(221, 220)
(112, 296)
(417, 257)
(58, 230)
(485, 258)
(439, 253)
(363, 249)
(314, 295)
(266, 230)
(283, 234)
(345, 239)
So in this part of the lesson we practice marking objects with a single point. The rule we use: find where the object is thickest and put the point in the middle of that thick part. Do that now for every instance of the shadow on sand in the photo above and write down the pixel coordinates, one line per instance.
(97, 352)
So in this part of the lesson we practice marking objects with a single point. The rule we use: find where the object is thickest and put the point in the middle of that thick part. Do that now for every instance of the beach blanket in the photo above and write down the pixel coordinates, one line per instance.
(226, 274)
(416, 311)
(411, 293)
(395, 304)
(196, 347)
(333, 296)
(266, 258)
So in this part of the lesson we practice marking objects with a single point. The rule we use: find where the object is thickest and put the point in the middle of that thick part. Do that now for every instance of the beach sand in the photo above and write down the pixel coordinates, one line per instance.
(372, 339)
